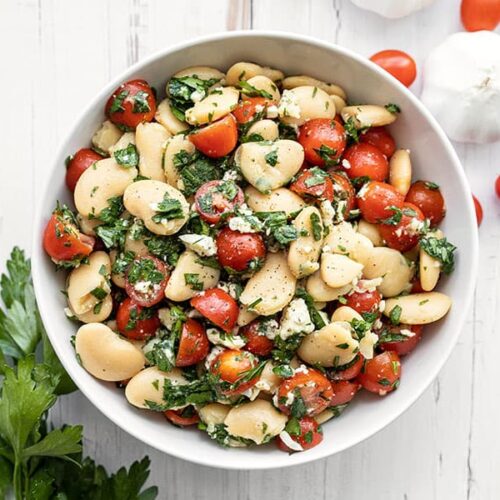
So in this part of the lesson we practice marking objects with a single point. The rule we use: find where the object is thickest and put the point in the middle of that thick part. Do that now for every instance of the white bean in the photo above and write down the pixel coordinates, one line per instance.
(339, 270)
(214, 413)
(305, 103)
(371, 232)
(201, 72)
(400, 171)
(291, 82)
(368, 115)
(345, 313)
(106, 136)
(242, 71)
(126, 139)
(165, 116)
(320, 291)
(214, 106)
(344, 240)
(279, 200)
(261, 82)
(151, 138)
(429, 267)
(174, 146)
(419, 308)
(267, 129)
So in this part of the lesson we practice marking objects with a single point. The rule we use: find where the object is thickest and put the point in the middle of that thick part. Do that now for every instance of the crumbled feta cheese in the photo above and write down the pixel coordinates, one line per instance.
(327, 212)
(197, 96)
(306, 249)
(381, 306)
(201, 244)
(232, 289)
(231, 175)
(378, 324)
(212, 355)
(272, 112)
(289, 105)
(327, 249)
(295, 319)
(259, 108)
(228, 340)
(346, 164)
(367, 343)
(166, 318)
(69, 313)
(407, 333)
(289, 442)
(241, 225)
(269, 328)
(368, 285)
(142, 286)
(301, 369)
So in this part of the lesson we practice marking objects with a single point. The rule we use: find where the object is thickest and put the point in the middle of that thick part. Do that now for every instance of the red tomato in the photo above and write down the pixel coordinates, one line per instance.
(183, 418)
(398, 63)
(217, 139)
(406, 233)
(193, 345)
(480, 15)
(365, 160)
(232, 367)
(146, 280)
(216, 198)
(249, 107)
(344, 391)
(308, 435)
(315, 183)
(257, 342)
(78, 163)
(497, 186)
(62, 240)
(427, 196)
(131, 103)
(311, 389)
(479, 210)
(351, 372)
(375, 200)
(323, 140)
(381, 374)
(364, 302)
(401, 344)
(343, 190)
(239, 251)
(416, 286)
(218, 307)
(136, 322)
(381, 139)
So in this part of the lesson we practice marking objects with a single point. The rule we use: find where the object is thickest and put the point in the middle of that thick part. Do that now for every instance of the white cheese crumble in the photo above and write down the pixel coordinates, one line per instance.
(346, 164)
(295, 319)
(212, 355)
(200, 244)
(367, 343)
(197, 96)
(228, 340)
(230, 288)
(231, 175)
(166, 318)
(269, 328)
(368, 285)
(289, 105)
(309, 267)
(327, 212)
(272, 112)
(407, 333)
(242, 225)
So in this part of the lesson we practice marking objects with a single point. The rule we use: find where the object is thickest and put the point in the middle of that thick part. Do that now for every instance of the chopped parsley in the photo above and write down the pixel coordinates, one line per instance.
(195, 170)
(316, 317)
(277, 228)
(431, 185)
(193, 280)
(272, 158)
(251, 91)
(144, 269)
(440, 249)
(393, 108)
(168, 209)
(117, 104)
(162, 353)
(127, 157)
(141, 104)
(317, 228)
(316, 178)
(328, 155)
(395, 314)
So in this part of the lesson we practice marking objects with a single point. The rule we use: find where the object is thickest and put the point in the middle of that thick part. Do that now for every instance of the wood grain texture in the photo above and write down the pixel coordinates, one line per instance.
(57, 54)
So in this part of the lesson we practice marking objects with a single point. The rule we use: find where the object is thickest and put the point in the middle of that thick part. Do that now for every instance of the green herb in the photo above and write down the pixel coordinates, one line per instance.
(251, 91)
(328, 155)
(113, 234)
(254, 303)
(342, 300)
(167, 248)
(113, 211)
(293, 427)
(168, 209)
(195, 170)
(144, 269)
(384, 382)
(351, 130)
(99, 293)
(359, 182)
(287, 132)
(277, 227)
(251, 138)
(316, 317)
(228, 189)
(431, 185)
(440, 249)
(395, 314)
(284, 350)
(122, 262)
(208, 262)
(317, 228)
(249, 375)
(272, 158)
(141, 104)
(316, 178)
(298, 408)
(193, 280)
(393, 108)
(117, 104)
(283, 371)
(127, 157)
(162, 353)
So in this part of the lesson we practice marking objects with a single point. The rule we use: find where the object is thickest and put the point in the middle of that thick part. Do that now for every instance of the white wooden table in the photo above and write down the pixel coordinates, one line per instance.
(56, 54)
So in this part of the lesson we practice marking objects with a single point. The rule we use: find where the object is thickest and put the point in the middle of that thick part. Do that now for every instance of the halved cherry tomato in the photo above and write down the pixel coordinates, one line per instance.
(497, 186)
(131, 103)
(232, 367)
(315, 183)
(249, 107)
(217, 139)
(183, 418)
(381, 139)
(344, 391)
(398, 63)
(78, 163)
(218, 307)
(308, 392)
(427, 196)
(62, 240)
(364, 302)
(239, 250)
(146, 280)
(416, 286)
(365, 160)
(343, 191)
(308, 435)
(216, 198)
(381, 374)
(479, 210)
(398, 342)
(136, 322)
(193, 344)
(376, 199)
(257, 342)
(323, 140)
(351, 372)
(406, 233)
(480, 15)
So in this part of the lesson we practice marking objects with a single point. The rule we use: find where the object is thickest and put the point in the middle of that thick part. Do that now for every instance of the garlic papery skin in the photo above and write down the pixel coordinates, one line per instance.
(462, 86)
(393, 9)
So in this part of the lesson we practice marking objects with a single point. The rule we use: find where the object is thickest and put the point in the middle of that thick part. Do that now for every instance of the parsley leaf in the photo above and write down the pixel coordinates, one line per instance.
(272, 158)
(317, 228)
(316, 317)
(440, 249)
(168, 209)
(328, 155)
(141, 104)
(117, 104)
(251, 91)
(195, 170)
(395, 314)
(393, 108)
(127, 157)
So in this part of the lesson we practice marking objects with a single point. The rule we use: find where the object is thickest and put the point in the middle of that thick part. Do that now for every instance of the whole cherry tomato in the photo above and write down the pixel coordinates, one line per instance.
(239, 251)
(344, 391)
(193, 344)
(257, 342)
(323, 140)
(381, 374)
(146, 280)
(480, 15)
(376, 201)
(364, 302)
(381, 139)
(183, 418)
(314, 183)
(427, 196)
(497, 186)
(136, 322)
(217, 139)
(78, 163)
(62, 240)
(398, 63)
(233, 367)
(479, 210)
(352, 371)
(308, 392)
(391, 338)
(131, 103)
(216, 198)
(305, 431)
(365, 160)
(246, 110)
(218, 307)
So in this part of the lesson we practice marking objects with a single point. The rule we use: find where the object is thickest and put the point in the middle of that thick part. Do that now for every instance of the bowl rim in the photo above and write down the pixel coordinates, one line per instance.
(333, 48)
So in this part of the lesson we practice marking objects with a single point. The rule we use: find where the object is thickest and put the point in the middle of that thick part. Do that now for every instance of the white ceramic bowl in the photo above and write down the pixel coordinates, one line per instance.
(433, 158)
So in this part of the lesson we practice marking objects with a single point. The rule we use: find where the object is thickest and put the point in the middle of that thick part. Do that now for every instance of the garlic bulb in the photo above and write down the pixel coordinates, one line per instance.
(462, 86)
(393, 8)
